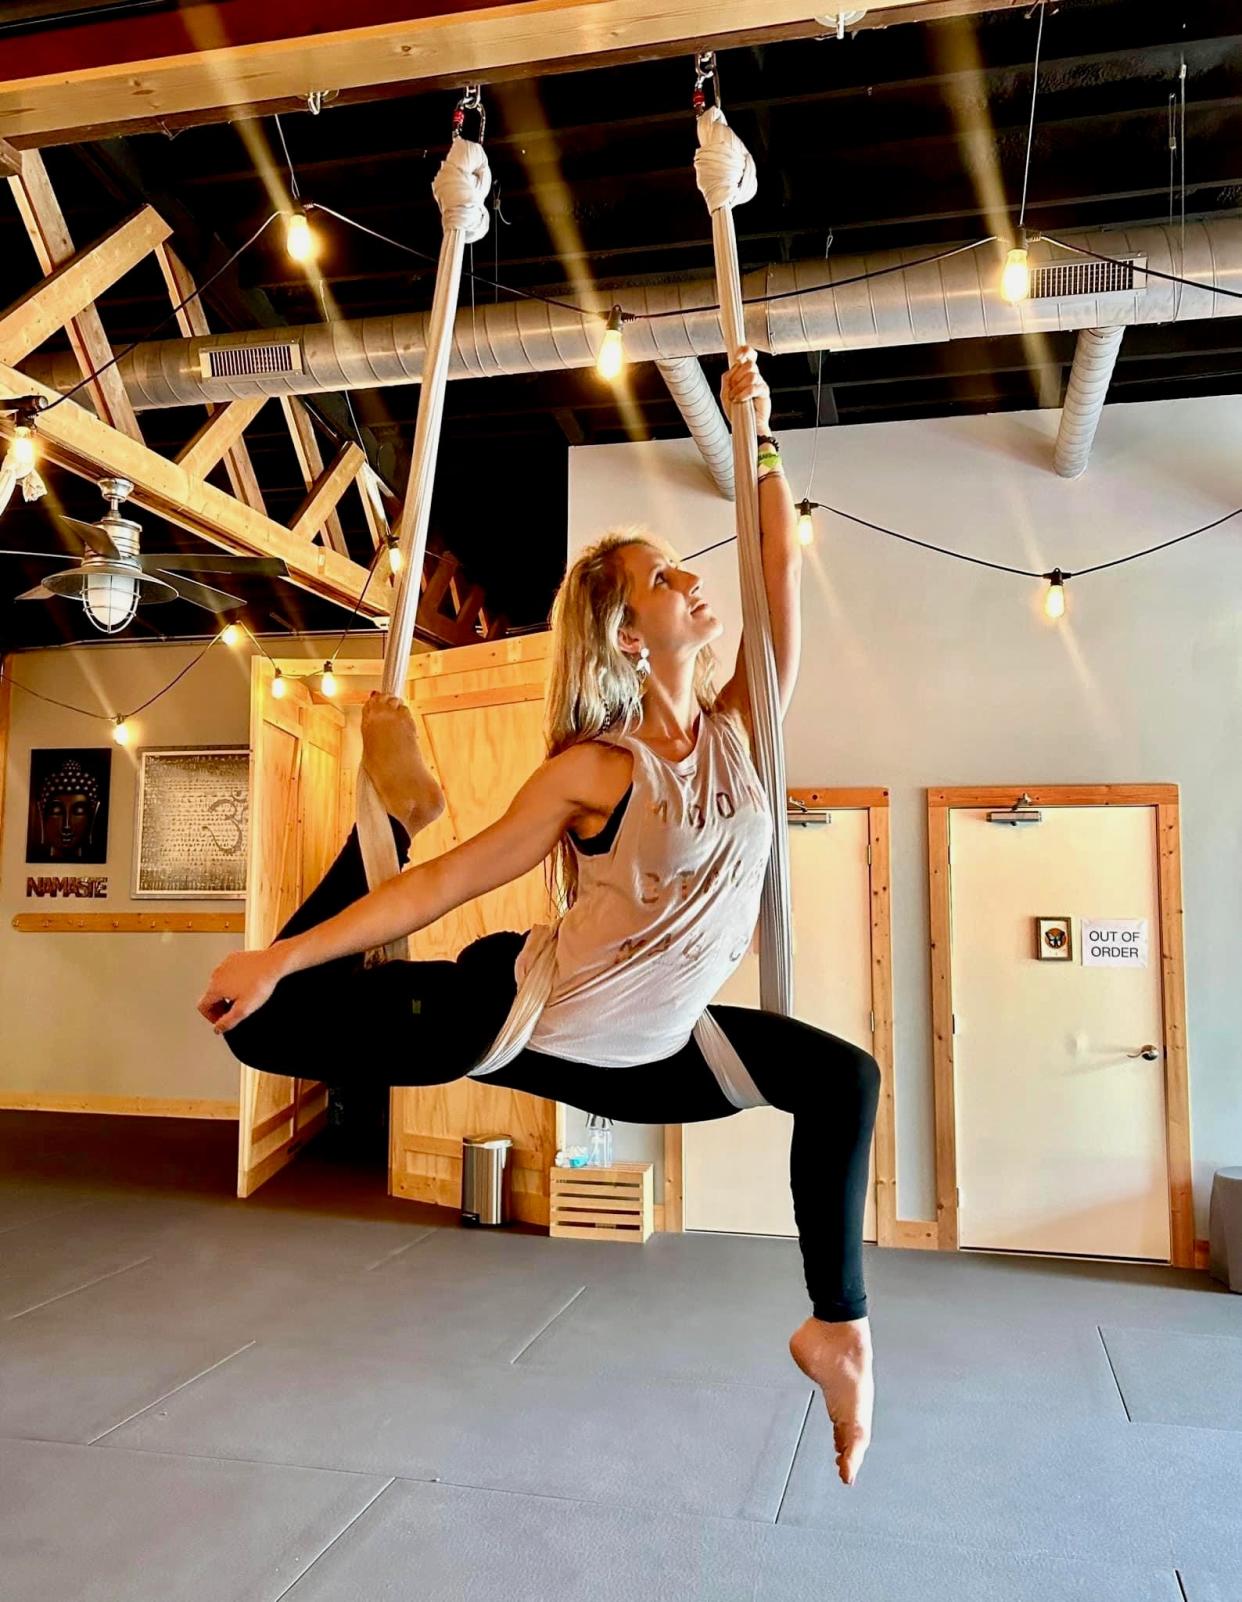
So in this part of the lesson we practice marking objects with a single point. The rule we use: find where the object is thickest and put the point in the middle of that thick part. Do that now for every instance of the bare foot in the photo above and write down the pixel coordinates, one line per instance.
(838, 1358)
(391, 756)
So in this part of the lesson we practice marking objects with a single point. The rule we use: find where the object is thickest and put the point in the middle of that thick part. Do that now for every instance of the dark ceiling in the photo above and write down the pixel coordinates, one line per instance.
(860, 144)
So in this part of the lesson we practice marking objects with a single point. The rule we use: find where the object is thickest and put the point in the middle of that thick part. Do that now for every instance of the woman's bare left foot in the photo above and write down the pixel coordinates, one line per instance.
(838, 1358)
(402, 780)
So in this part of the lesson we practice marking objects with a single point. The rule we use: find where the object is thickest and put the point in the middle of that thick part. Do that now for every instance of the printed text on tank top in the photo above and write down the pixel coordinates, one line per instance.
(668, 909)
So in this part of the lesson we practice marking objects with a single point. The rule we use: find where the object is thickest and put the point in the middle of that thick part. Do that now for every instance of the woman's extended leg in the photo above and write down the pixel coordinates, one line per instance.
(832, 1088)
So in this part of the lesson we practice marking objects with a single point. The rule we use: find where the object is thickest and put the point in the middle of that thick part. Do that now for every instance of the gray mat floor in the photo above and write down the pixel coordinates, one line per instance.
(325, 1395)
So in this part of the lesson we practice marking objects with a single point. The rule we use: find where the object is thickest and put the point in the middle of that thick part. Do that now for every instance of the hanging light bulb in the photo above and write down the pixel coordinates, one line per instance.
(120, 732)
(299, 240)
(611, 358)
(1015, 284)
(806, 523)
(278, 686)
(327, 684)
(231, 634)
(22, 453)
(1054, 600)
(396, 561)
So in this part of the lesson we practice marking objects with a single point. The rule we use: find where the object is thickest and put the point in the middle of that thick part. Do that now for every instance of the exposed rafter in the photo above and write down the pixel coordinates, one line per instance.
(153, 70)
(53, 246)
(71, 438)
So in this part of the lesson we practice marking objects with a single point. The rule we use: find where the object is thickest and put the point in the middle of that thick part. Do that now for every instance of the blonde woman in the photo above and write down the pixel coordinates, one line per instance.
(650, 808)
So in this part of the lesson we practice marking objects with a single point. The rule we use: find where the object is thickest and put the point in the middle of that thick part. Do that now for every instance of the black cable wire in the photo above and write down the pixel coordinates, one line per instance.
(110, 717)
(51, 700)
(168, 316)
(213, 641)
(1000, 567)
(423, 255)
(677, 311)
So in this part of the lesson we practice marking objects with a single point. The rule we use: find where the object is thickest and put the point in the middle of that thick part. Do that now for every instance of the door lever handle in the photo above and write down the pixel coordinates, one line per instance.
(1147, 1053)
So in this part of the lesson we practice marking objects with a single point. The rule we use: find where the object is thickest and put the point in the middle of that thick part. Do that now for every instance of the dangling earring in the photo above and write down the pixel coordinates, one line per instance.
(643, 666)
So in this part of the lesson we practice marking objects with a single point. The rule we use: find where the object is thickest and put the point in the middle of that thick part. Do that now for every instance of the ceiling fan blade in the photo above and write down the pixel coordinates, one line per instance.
(37, 594)
(192, 562)
(95, 539)
(202, 594)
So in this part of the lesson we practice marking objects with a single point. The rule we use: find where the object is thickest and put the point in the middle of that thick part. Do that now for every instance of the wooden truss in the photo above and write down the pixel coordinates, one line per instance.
(106, 440)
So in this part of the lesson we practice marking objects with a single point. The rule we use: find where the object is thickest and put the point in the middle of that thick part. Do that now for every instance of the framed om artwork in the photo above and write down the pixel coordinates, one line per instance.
(191, 821)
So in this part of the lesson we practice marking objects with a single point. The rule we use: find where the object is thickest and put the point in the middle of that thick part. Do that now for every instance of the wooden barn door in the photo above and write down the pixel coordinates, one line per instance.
(296, 829)
(479, 711)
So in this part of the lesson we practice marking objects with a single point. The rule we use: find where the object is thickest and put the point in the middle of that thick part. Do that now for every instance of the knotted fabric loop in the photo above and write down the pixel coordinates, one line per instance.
(723, 166)
(461, 188)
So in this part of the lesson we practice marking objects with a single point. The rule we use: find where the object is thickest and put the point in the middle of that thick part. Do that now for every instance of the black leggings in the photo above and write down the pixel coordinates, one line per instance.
(426, 1023)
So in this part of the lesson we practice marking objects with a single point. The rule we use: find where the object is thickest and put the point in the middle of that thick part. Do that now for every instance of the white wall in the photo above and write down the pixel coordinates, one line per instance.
(113, 1014)
(920, 671)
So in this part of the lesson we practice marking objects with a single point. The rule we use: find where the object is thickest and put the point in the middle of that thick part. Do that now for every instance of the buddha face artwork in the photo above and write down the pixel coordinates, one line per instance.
(69, 805)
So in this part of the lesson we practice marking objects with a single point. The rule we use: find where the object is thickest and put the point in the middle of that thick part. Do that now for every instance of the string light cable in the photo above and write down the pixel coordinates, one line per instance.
(167, 318)
(1053, 575)
(120, 719)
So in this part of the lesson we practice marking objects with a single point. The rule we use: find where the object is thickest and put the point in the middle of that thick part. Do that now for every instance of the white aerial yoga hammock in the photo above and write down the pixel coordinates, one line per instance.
(461, 187)
(726, 177)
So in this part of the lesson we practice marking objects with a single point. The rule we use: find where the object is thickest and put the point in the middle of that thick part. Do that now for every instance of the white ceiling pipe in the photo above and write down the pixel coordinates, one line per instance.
(1095, 356)
(687, 384)
(954, 299)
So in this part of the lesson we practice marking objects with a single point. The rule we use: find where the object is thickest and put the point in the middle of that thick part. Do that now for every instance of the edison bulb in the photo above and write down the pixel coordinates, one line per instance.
(299, 240)
(396, 561)
(278, 686)
(806, 528)
(1016, 277)
(611, 358)
(1054, 601)
(231, 634)
(120, 732)
(22, 453)
(327, 683)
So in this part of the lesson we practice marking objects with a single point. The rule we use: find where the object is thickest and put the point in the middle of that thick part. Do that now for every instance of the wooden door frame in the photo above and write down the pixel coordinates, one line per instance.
(890, 1230)
(1164, 798)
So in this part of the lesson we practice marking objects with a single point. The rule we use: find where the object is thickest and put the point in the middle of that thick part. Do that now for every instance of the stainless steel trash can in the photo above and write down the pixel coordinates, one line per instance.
(484, 1180)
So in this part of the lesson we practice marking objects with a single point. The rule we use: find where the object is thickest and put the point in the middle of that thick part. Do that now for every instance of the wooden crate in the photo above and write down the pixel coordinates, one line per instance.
(602, 1203)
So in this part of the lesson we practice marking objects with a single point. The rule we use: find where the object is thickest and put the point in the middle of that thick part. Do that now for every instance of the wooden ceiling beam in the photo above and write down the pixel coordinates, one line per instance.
(310, 464)
(219, 434)
(155, 71)
(71, 438)
(74, 286)
(326, 491)
(49, 234)
(192, 321)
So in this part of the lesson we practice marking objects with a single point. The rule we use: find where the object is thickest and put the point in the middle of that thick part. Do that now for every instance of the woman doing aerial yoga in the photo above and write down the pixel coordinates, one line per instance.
(652, 806)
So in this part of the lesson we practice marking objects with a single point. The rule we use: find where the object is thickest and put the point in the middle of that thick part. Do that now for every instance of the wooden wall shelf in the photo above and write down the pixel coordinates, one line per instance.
(130, 922)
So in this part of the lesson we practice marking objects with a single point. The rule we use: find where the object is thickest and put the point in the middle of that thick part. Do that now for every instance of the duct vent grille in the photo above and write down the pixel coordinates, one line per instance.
(250, 361)
(1066, 278)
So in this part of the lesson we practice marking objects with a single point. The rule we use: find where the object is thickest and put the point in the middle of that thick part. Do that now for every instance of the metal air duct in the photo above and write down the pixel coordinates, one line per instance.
(957, 298)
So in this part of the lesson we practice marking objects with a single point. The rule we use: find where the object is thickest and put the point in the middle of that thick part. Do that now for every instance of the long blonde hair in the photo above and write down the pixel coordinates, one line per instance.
(594, 685)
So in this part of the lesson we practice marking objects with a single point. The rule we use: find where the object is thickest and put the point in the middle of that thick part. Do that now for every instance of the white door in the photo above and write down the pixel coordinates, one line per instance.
(735, 1171)
(1060, 1119)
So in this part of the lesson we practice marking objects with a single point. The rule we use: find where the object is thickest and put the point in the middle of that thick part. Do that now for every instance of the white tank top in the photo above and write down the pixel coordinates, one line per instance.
(666, 914)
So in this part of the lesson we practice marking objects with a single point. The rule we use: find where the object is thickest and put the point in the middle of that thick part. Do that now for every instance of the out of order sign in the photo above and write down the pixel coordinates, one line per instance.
(1114, 942)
